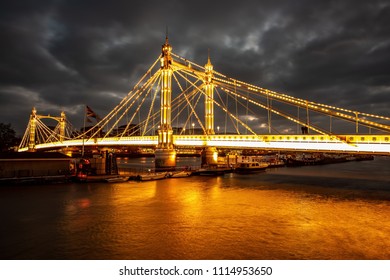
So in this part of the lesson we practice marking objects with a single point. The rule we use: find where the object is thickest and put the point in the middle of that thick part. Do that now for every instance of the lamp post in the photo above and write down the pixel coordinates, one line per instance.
(218, 129)
(193, 128)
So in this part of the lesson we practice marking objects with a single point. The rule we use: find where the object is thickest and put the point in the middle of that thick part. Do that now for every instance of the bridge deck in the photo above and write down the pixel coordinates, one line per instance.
(374, 144)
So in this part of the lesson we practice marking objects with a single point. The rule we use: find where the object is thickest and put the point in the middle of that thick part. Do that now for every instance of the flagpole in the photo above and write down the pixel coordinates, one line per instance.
(85, 116)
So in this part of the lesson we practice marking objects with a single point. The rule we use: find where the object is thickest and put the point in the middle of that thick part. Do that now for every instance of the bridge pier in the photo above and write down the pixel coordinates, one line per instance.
(210, 156)
(165, 159)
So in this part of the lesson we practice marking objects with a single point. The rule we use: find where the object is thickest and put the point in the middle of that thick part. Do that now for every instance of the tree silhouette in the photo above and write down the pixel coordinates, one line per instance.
(7, 137)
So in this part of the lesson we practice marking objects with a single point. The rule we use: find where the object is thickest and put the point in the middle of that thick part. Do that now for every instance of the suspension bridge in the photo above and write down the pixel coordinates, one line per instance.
(180, 104)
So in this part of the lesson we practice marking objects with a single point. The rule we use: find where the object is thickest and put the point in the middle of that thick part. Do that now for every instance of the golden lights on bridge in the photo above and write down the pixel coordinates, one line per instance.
(212, 81)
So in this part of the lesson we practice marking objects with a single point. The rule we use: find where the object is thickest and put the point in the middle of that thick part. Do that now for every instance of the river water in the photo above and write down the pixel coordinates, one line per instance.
(338, 211)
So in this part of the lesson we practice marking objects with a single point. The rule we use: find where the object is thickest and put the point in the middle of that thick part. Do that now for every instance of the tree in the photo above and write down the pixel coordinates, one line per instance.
(7, 137)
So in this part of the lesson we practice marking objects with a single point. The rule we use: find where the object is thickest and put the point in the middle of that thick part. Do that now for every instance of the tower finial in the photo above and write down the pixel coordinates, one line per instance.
(166, 52)
(208, 66)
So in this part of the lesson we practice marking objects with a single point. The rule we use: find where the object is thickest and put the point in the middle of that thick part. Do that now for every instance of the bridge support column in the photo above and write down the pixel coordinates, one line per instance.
(209, 98)
(33, 124)
(210, 156)
(165, 159)
(165, 154)
(62, 126)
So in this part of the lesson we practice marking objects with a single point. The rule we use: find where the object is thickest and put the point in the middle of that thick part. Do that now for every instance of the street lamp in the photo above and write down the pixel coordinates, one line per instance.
(218, 129)
(193, 129)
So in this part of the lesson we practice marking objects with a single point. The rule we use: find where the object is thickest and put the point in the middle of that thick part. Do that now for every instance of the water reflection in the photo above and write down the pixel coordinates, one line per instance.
(281, 214)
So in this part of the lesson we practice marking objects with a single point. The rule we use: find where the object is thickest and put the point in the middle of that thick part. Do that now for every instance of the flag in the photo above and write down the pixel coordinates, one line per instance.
(91, 113)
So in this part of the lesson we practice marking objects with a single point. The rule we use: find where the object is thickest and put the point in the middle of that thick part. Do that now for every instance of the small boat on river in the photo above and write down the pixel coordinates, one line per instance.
(276, 163)
(212, 171)
(152, 176)
(250, 167)
(301, 161)
(116, 179)
(179, 174)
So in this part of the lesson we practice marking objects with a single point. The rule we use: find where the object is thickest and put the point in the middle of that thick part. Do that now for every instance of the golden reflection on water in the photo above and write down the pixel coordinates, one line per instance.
(281, 214)
(204, 219)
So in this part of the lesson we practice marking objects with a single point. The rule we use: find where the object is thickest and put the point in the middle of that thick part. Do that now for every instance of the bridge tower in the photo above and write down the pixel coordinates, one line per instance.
(209, 103)
(210, 154)
(165, 154)
(33, 124)
(62, 121)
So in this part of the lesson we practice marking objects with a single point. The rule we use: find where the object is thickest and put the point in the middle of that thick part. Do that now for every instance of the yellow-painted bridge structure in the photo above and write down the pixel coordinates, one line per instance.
(180, 104)
(366, 144)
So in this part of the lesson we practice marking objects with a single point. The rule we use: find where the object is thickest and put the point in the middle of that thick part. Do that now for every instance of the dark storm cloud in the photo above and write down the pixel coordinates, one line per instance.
(59, 55)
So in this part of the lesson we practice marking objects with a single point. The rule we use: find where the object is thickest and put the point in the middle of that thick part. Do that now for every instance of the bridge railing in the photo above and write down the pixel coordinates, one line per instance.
(340, 143)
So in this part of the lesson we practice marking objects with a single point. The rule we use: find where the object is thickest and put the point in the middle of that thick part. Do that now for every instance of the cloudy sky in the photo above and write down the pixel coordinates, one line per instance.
(61, 54)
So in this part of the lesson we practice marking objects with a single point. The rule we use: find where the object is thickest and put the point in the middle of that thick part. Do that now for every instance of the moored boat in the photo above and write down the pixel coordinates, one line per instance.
(179, 174)
(301, 161)
(116, 179)
(251, 167)
(276, 163)
(212, 171)
(152, 176)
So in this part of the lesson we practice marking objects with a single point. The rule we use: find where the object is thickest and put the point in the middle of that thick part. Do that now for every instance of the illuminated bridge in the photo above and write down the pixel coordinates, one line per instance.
(180, 104)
